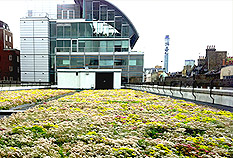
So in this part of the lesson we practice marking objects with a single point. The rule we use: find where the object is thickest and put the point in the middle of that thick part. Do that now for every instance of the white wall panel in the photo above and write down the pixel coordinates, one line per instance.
(27, 68)
(24, 50)
(42, 76)
(26, 28)
(34, 49)
(27, 76)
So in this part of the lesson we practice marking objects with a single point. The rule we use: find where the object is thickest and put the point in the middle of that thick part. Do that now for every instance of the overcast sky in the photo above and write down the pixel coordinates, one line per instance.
(191, 24)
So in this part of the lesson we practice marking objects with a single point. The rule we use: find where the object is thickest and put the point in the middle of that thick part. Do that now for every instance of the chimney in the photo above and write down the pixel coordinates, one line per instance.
(224, 62)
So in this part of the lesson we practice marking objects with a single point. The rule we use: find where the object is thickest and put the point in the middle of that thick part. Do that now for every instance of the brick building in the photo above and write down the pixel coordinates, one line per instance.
(214, 59)
(9, 57)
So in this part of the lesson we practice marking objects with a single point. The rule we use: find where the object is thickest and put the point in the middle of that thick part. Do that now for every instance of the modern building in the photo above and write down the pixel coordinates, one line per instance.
(9, 57)
(91, 34)
(190, 62)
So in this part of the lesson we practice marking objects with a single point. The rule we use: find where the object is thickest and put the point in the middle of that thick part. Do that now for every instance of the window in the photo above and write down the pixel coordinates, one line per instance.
(74, 29)
(125, 30)
(96, 10)
(81, 46)
(11, 78)
(88, 10)
(89, 30)
(10, 57)
(63, 45)
(118, 23)
(9, 38)
(117, 46)
(88, 46)
(111, 15)
(96, 45)
(82, 29)
(64, 14)
(106, 62)
(67, 31)
(132, 62)
(18, 69)
(71, 14)
(92, 60)
(136, 61)
(103, 46)
(10, 68)
(60, 30)
(63, 62)
(77, 61)
(17, 59)
(66, 62)
(110, 46)
(74, 46)
(103, 13)
(125, 46)
(53, 30)
(6, 38)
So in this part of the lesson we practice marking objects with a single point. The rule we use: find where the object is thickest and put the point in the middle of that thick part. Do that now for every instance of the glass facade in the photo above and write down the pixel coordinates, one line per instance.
(130, 73)
(103, 41)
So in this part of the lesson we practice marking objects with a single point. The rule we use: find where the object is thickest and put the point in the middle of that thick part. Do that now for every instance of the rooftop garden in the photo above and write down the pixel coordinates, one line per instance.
(117, 123)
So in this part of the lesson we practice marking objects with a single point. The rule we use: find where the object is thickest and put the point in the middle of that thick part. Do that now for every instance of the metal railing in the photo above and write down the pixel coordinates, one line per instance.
(194, 83)
(23, 84)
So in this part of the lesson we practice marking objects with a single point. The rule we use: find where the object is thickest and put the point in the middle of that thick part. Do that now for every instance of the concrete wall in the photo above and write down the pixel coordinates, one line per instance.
(222, 97)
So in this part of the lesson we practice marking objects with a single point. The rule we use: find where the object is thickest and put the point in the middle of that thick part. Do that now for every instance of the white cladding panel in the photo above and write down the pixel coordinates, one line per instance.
(27, 76)
(27, 51)
(67, 80)
(26, 28)
(84, 79)
(42, 76)
(34, 42)
(117, 80)
(41, 29)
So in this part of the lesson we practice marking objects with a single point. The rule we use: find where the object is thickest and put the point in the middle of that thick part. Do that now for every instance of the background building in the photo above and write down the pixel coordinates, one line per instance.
(190, 62)
(228, 61)
(214, 59)
(9, 57)
(93, 34)
(153, 74)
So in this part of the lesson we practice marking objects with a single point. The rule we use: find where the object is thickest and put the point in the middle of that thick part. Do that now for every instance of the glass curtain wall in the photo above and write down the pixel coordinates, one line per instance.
(91, 29)
(131, 65)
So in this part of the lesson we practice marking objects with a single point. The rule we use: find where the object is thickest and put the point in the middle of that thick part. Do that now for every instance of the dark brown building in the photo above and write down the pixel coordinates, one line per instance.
(214, 59)
(9, 57)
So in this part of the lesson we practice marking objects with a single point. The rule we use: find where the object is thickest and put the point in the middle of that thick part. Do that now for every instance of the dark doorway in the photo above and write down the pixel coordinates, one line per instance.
(104, 80)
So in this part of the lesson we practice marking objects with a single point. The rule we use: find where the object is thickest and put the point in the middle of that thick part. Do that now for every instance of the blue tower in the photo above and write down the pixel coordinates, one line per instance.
(166, 55)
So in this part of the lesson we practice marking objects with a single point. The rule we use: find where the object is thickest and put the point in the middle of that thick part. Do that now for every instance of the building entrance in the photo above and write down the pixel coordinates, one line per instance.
(104, 80)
